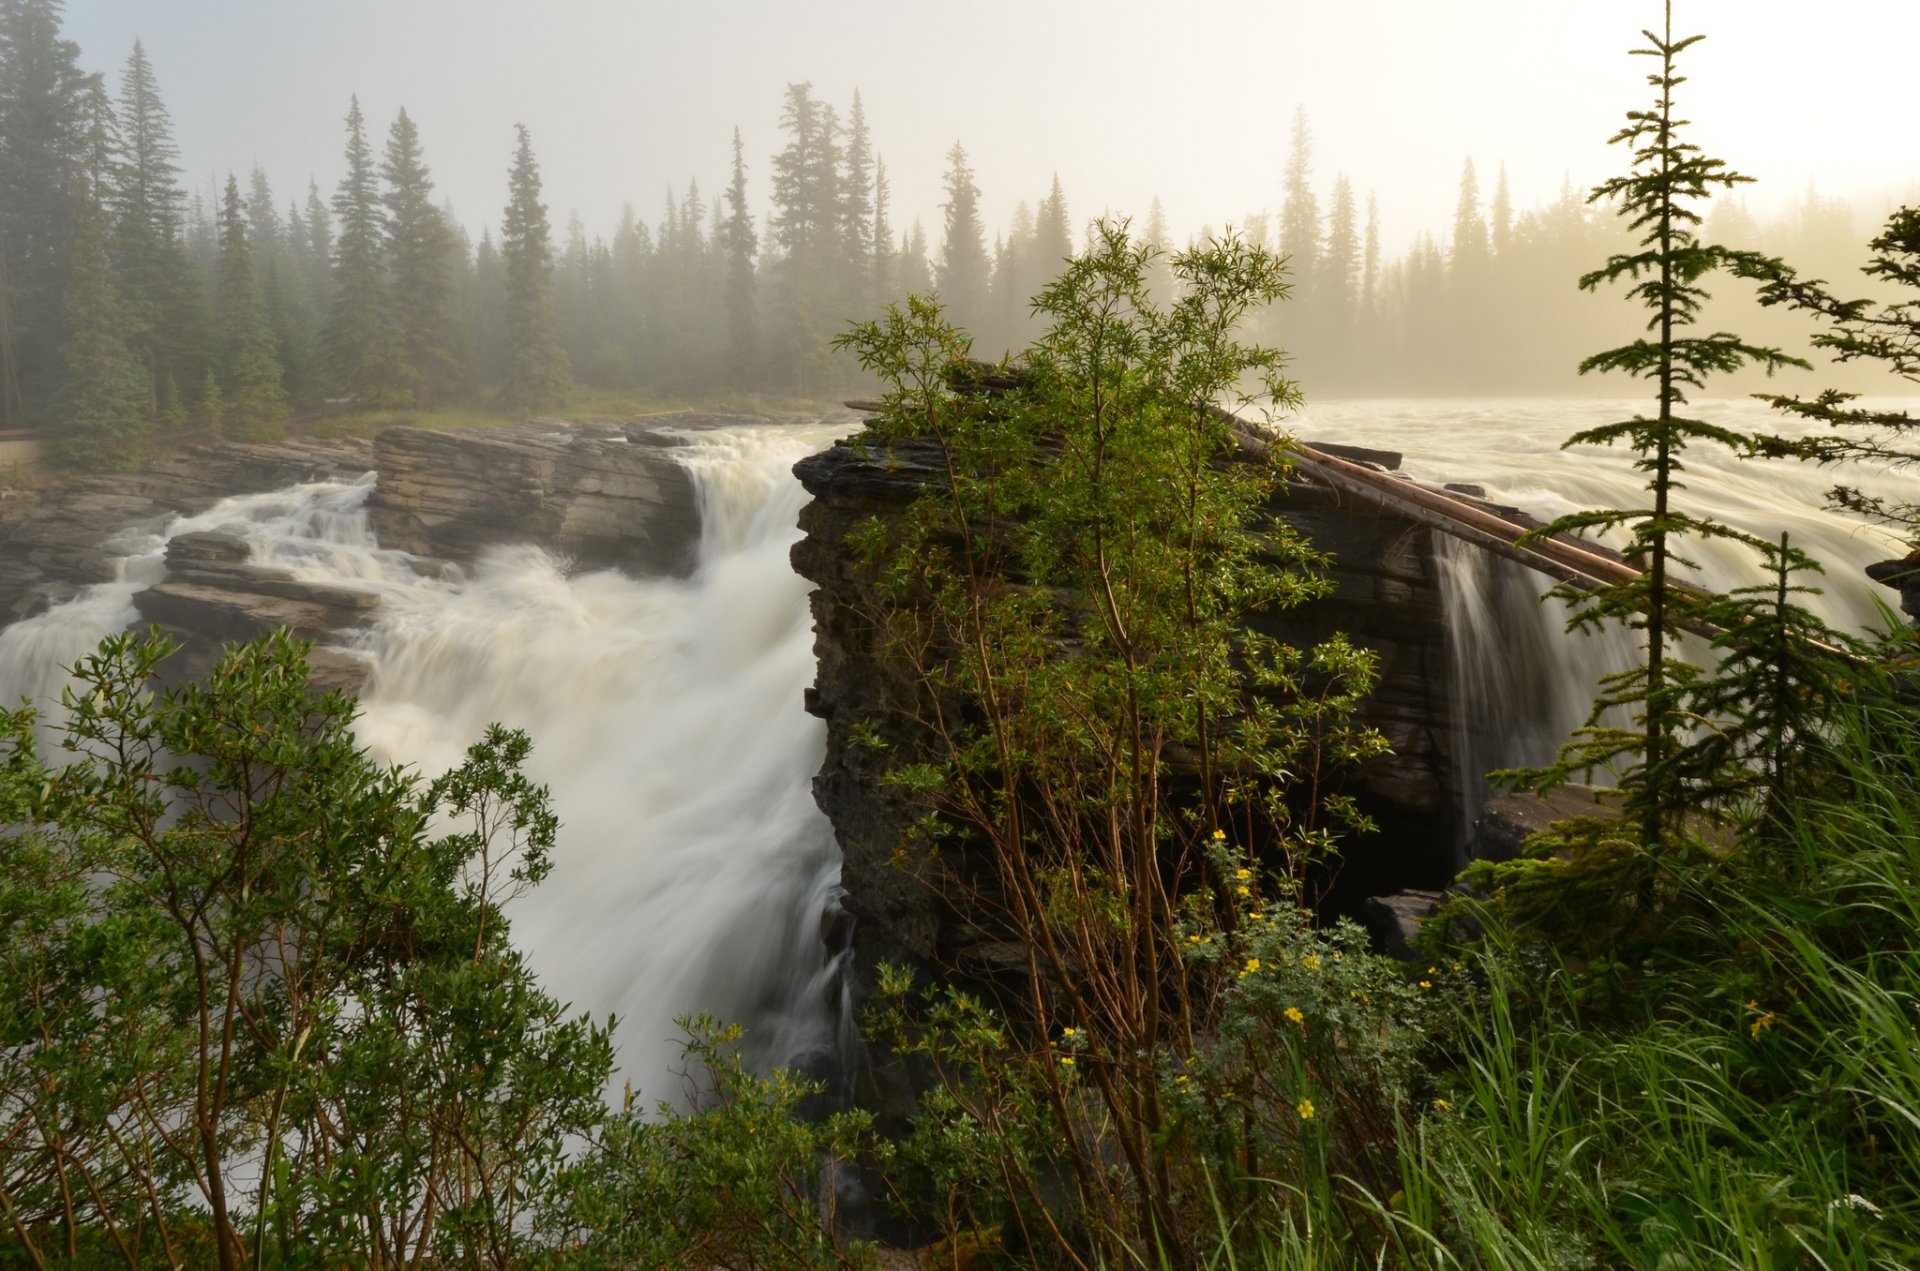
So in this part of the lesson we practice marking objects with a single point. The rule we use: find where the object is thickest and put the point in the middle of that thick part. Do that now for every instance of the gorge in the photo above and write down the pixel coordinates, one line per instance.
(623, 593)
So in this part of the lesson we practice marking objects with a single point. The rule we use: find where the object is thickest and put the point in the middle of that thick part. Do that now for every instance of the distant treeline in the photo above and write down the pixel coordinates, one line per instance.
(133, 312)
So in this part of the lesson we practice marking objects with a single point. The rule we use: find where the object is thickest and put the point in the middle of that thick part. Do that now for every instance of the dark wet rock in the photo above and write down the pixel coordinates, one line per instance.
(1903, 576)
(61, 543)
(1394, 921)
(1506, 822)
(1384, 460)
(1385, 597)
(590, 494)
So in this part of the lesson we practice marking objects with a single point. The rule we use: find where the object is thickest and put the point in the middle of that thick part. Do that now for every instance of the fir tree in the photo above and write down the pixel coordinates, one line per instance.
(537, 374)
(167, 321)
(1860, 330)
(251, 391)
(1469, 225)
(359, 336)
(738, 245)
(856, 206)
(964, 267)
(433, 347)
(105, 402)
(885, 253)
(44, 99)
(1300, 213)
(1658, 199)
(1501, 228)
(1052, 231)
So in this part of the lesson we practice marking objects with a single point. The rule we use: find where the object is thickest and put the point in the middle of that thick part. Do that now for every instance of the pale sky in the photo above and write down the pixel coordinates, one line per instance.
(1125, 100)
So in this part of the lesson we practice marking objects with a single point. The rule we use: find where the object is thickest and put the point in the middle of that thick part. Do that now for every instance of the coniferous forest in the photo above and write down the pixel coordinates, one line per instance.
(1061, 705)
(138, 310)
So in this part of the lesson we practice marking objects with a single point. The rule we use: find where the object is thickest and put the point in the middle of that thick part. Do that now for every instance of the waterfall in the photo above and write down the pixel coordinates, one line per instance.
(693, 871)
(667, 718)
(1521, 682)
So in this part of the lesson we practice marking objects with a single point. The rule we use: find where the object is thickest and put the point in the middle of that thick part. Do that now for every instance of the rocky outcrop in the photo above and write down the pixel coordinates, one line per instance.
(609, 497)
(214, 595)
(60, 543)
(1386, 598)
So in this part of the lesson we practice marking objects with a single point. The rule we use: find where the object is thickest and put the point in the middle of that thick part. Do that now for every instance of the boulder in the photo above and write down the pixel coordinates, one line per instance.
(592, 494)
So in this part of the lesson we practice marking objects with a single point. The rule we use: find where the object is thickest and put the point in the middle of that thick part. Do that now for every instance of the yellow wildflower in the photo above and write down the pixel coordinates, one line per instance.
(1426, 984)
(1243, 890)
(1293, 1013)
(1069, 1032)
(1243, 873)
(1253, 965)
(1761, 1025)
(1442, 1105)
(1066, 1061)
(1219, 836)
(1305, 1109)
(1311, 962)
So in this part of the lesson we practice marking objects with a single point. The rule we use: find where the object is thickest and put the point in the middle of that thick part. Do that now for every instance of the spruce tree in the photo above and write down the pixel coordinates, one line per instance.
(44, 98)
(1300, 213)
(105, 401)
(1658, 198)
(1860, 331)
(809, 291)
(964, 267)
(856, 208)
(738, 244)
(885, 252)
(433, 347)
(358, 341)
(253, 396)
(537, 376)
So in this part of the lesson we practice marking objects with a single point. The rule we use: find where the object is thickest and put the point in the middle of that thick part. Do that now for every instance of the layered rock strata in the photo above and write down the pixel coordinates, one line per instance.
(62, 542)
(1385, 598)
(609, 497)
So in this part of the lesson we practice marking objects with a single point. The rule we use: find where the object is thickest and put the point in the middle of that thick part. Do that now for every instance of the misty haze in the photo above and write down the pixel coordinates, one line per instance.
(781, 636)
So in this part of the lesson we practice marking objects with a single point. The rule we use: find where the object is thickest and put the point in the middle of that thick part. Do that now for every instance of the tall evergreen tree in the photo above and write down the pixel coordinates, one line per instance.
(537, 374)
(251, 391)
(434, 349)
(1469, 225)
(44, 98)
(163, 299)
(738, 245)
(810, 291)
(1500, 229)
(1658, 198)
(1052, 232)
(1370, 259)
(885, 253)
(964, 267)
(104, 402)
(359, 339)
(856, 207)
(1300, 213)
(916, 271)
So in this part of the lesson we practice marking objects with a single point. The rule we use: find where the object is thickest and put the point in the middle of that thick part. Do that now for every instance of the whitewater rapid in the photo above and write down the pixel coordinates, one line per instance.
(693, 867)
(666, 713)
(1521, 682)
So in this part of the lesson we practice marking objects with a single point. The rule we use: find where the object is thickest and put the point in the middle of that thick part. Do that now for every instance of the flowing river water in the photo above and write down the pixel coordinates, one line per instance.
(693, 867)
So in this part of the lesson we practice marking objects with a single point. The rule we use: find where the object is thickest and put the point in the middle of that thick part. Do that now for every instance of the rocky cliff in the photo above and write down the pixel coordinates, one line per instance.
(609, 497)
(62, 542)
(1386, 598)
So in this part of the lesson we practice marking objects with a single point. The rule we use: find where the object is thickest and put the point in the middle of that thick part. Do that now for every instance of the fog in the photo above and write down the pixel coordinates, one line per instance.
(720, 189)
(1125, 100)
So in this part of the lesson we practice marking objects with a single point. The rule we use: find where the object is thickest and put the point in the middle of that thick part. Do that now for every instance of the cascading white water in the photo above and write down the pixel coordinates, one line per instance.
(315, 532)
(1521, 683)
(693, 867)
(667, 718)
